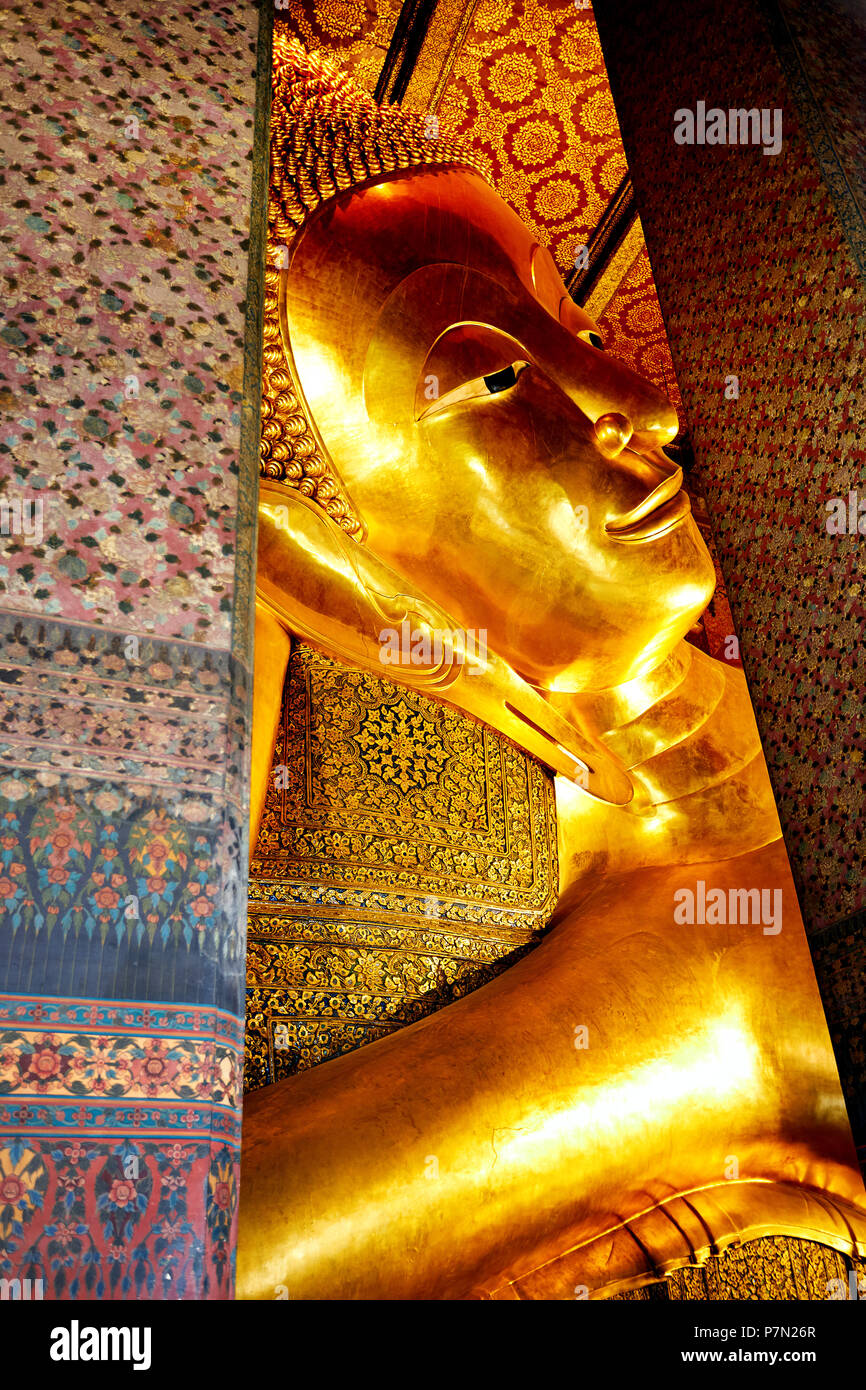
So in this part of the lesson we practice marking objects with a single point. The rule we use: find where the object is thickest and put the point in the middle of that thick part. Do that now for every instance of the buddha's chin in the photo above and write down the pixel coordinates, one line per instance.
(590, 651)
(580, 678)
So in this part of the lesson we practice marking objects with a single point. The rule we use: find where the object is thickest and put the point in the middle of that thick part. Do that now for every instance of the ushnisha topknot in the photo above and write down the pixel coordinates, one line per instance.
(327, 136)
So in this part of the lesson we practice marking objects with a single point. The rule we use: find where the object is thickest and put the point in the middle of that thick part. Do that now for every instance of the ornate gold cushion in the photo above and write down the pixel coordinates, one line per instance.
(406, 853)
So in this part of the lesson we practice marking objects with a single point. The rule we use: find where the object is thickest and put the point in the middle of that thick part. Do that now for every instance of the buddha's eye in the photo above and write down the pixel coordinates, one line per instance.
(493, 384)
(500, 381)
(592, 338)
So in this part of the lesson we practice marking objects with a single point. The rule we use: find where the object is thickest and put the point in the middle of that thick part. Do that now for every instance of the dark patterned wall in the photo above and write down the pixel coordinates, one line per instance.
(757, 274)
(822, 47)
(127, 498)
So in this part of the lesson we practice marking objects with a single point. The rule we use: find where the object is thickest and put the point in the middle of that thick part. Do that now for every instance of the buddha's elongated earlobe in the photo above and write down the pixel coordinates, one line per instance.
(330, 591)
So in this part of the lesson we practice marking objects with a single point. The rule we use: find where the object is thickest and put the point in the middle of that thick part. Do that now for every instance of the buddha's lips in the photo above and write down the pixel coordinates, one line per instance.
(660, 510)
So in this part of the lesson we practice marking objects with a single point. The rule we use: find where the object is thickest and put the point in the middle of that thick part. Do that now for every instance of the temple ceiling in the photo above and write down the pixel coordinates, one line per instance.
(525, 83)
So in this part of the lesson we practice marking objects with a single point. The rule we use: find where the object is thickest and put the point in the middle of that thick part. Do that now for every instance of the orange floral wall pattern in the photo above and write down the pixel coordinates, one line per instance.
(527, 88)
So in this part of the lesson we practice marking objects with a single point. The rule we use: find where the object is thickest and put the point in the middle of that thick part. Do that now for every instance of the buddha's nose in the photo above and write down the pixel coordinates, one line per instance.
(644, 422)
(612, 432)
(609, 392)
(656, 427)
(614, 437)
(639, 415)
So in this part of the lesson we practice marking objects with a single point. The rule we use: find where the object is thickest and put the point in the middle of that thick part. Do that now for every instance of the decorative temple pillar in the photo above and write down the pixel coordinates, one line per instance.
(129, 486)
(758, 258)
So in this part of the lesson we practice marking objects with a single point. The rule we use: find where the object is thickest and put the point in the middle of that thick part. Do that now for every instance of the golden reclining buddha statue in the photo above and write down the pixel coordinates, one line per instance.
(456, 454)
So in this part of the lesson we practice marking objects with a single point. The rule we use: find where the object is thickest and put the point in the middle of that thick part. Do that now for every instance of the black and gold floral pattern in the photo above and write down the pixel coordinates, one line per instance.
(406, 853)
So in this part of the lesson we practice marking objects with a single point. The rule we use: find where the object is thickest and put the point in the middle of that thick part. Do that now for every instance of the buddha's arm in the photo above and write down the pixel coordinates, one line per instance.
(385, 1174)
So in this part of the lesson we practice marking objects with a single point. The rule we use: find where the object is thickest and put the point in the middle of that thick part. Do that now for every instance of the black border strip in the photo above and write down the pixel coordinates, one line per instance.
(610, 232)
(248, 453)
(818, 130)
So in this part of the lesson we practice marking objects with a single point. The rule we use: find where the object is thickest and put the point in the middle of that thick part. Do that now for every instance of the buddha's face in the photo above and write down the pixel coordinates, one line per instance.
(499, 459)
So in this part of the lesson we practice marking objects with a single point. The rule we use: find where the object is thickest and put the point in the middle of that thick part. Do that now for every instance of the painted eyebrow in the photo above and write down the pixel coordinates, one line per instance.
(469, 390)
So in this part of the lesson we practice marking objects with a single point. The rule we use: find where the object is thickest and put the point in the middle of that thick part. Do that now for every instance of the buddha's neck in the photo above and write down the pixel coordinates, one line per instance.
(686, 733)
